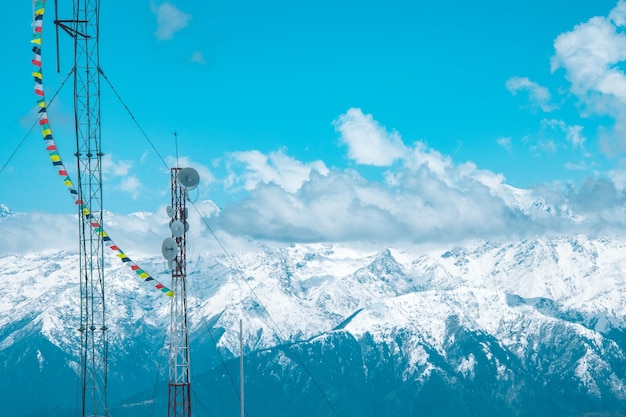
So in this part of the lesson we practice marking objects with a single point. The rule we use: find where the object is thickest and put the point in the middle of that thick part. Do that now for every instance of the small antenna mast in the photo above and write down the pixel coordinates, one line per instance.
(176, 144)
(70, 30)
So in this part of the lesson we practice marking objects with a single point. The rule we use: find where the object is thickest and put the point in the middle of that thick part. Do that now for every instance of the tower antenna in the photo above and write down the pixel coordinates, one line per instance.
(84, 29)
(175, 252)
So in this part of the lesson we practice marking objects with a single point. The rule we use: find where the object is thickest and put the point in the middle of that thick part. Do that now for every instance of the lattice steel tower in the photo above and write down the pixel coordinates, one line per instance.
(84, 28)
(175, 251)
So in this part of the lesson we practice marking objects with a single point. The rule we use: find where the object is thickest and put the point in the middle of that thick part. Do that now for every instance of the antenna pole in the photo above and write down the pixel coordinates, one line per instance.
(241, 382)
(176, 145)
(76, 27)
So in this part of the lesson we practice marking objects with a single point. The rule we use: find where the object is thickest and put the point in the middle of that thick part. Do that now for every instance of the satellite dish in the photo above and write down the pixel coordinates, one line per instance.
(188, 178)
(169, 248)
(170, 211)
(178, 228)
(173, 265)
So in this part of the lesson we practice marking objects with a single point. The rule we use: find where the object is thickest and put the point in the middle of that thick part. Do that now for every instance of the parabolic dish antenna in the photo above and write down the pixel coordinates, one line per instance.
(178, 228)
(169, 248)
(188, 178)
(170, 211)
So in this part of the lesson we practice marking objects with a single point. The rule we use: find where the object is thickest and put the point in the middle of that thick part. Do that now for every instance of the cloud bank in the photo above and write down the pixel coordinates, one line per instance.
(422, 196)
(414, 195)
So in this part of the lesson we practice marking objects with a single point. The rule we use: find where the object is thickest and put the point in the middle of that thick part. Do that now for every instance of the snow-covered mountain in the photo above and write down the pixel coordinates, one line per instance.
(526, 328)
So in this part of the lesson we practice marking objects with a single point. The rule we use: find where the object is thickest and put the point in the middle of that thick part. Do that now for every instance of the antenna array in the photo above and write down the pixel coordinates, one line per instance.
(174, 250)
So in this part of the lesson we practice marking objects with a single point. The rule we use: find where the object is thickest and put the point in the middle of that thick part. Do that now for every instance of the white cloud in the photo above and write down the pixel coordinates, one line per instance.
(276, 168)
(38, 232)
(418, 205)
(589, 54)
(618, 177)
(345, 207)
(420, 155)
(544, 146)
(505, 143)
(592, 55)
(426, 197)
(137, 233)
(131, 185)
(555, 135)
(574, 136)
(115, 168)
(618, 14)
(118, 175)
(170, 20)
(368, 143)
(538, 95)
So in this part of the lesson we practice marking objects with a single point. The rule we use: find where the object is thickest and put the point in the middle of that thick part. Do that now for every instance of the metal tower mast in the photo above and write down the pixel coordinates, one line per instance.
(174, 250)
(84, 28)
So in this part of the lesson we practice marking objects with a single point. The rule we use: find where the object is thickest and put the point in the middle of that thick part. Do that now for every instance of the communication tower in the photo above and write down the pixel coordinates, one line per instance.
(84, 29)
(175, 251)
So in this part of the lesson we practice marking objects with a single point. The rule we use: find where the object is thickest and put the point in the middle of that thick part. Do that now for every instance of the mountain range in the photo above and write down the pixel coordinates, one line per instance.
(529, 327)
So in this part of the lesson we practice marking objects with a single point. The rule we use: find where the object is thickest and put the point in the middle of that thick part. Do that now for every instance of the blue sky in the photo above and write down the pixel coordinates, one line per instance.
(371, 115)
